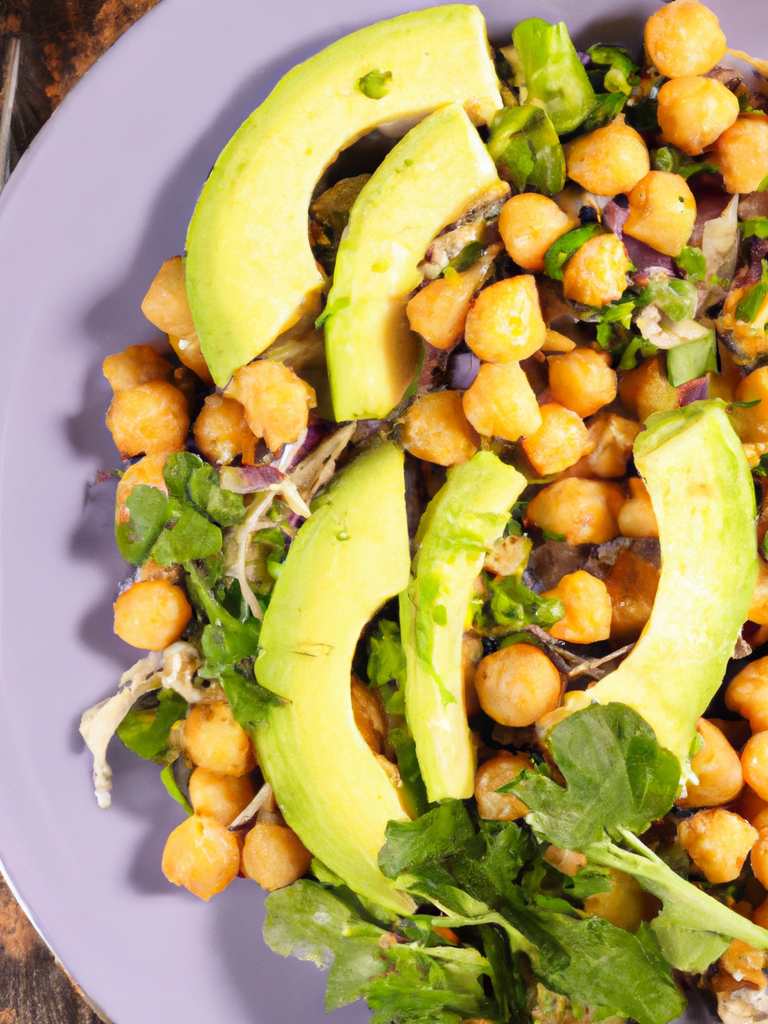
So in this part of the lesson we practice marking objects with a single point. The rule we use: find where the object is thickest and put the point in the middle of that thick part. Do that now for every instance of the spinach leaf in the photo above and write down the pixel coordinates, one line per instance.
(226, 640)
(437, 834)
(250, 702)
(148, 508)
(560, 252)
(145, 729)
(189, 479)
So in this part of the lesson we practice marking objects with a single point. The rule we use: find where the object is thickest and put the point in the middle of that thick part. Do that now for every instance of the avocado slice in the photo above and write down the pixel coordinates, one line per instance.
(459, 526)
(704, 499)
(350, 557)
(426, 182)
(250, 269)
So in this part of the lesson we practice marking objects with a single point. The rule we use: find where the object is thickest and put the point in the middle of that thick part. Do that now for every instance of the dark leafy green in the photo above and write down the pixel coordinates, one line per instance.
(468, 256)
(145, 728)
(437, 834)
(414, 789)
(622, 75)
(511, 606)
(560, 252)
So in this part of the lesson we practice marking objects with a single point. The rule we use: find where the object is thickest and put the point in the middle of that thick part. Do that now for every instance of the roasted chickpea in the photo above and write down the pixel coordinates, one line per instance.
(636, 516)
(529, 224)
(276, 401)
(509, 555)
(582, 380)
(717, 767)
(490, 776)
(752, 808)
(596, 274)
(694, 111)
(274, 856)
(759, 858)
(214, 740)
(471, 653)
(560, 441)
(747, 694)
(583, 511)
(717, 841)
(609, 160)
(626, 905)
(758, 609)
(504, 323)
(744, 963)
(646, 389)
(684, 38)
(613, 437)
(152, 614)
(202, 856)
(165, 305)
(438, 312)
(741, 153)
(517, 685)
(436, 429)
(222, 432)
(752, 423)
(369, 716)
(662, 212)
(137, 365)
(218, 796)
(587, 603)
(568, 861)
(501, 402)
(631, 585)
(151, 417)
(147, 471)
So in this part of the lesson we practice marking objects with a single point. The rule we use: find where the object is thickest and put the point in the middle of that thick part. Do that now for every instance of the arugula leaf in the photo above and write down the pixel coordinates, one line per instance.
(676, 297)
(755, 227)
(437, 834)
(168, 779)
(558, 254)
(617, 775)
(752, 302)
(148, 508)
(693, 262)
(145, 729)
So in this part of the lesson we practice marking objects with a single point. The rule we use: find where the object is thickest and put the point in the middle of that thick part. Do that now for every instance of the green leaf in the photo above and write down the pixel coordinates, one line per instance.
(526, 149)
(179, 467)
(750, 305)
(617, 776)
(560, 252)
(411, 845)
(761, 469)
(386, 664)
(226, 640)
(587, 882)
(638, 348)
(414, 789)
(763, 186)
(376, 84)
(193, 536)
(676, 297)
(674, 161)
(513, 606)
(607, 106)
(617, 57)
(225, 507)
(148, 512)
(755, 227)
(250, 702)
(686, 948)
(145, 729)
(692, 359)
(693, 263)
(554, 75)
(169, 781)
(468, 256)
(508, 983)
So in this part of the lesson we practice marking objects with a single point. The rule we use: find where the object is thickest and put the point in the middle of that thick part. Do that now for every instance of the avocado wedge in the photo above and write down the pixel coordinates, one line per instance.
(704, 499)
(424, 184)
(459, 526)
(350, 557)
(250, 269)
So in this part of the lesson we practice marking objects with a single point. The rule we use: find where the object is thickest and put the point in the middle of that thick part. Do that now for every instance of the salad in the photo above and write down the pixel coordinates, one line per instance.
(447, 571)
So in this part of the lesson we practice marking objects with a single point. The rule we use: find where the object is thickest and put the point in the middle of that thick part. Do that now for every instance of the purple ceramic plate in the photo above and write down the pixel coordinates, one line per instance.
(100, 200)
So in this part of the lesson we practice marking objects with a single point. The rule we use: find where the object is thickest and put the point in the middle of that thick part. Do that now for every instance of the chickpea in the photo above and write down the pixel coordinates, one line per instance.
(747, 694)
(741, 153)
(609, 160)
(201, 855)
(436, 429)
(582, 380)
(744, 963)
(694, 111)
(214, 740)
(596, 274)
(560, 441)
(369, 716)
(626, 905)
(471, 653)
(613, 438)
(646, 390)
(753, 809)
(583, 511)
(218, 796)
(509, 555)
(490, 776)
(504, 323)
(151, 417)
(717, 768)
(631, 585)
(274, 856)
(438, 312)
(752, 424)
(754, 763)
(587, 609)
(662, 212)
(736, 731)
(684, 38)
(148, 471)
(636, 516)
(151, 615)
(501, 402)
(760, 916)
(137, 365)
(276, 401)
(221, 432)
(517, 685)
(165, 305)
(717, 841)
(529, 224)
(759, 858)
(758, 610)
(568, 861)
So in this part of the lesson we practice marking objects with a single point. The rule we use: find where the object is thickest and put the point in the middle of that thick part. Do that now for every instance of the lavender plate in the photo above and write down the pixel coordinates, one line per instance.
(100, 200)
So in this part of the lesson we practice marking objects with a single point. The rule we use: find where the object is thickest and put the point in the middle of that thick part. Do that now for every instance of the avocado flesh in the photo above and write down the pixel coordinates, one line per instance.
(250, 269)
(425, 183)
(350, 557)
(459, 526)
(704, 499)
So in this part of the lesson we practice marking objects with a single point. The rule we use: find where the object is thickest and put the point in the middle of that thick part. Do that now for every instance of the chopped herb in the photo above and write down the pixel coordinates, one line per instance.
(560, 252)
(468, 256)
(755, 227)
(753, 301)
(763, 185)
(693, 263)
(376, 84)
(553, 536)
(674, 161)
(677, 298)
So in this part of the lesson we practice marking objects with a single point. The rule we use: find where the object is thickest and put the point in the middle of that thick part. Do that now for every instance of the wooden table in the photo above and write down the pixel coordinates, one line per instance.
(60, 39)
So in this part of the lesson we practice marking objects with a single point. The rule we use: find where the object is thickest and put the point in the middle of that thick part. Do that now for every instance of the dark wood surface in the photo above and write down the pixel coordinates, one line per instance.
(60, 39)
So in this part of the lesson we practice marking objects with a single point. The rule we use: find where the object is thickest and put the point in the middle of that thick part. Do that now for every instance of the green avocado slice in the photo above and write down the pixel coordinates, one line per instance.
(426, 182)
(250, 270)
(458, 528)
(350, 557)
(704, 499)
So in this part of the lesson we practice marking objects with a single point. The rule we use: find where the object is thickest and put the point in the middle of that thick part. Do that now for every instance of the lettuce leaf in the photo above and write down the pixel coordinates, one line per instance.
(145, 728)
